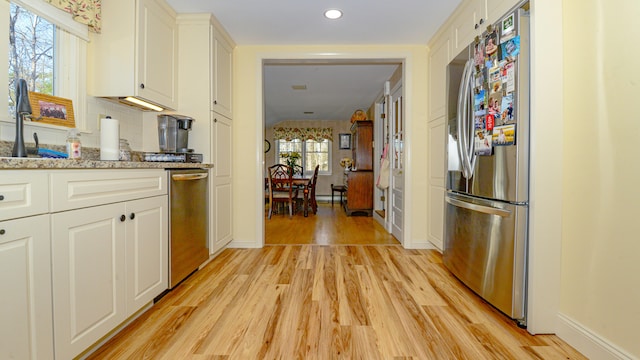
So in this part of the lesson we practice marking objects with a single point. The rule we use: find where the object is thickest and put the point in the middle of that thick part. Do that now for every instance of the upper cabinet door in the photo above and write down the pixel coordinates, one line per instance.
(222, 68)
(157, 54)
(438, 61)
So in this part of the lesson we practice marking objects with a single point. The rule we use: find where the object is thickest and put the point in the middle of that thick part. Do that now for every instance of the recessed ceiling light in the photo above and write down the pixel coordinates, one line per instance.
(333, 14)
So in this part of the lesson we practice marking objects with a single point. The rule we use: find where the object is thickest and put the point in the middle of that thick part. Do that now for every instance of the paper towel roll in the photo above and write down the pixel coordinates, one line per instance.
(109, 139)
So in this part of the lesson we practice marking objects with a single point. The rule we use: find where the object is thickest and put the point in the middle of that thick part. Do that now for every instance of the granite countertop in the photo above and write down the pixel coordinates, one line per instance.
(90, 160)
(8, 163)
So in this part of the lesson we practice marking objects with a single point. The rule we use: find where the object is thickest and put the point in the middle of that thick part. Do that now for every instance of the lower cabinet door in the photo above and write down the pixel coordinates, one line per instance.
(26, 330)
(147, 249)
(88, 264)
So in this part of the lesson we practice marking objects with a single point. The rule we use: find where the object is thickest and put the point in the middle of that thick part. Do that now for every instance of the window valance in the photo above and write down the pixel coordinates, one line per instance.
(86, 12)
(317, 134)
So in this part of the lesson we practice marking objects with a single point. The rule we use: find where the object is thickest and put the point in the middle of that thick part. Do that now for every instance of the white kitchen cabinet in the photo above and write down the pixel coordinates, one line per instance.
(436, 182)
(23, 193)
(498, 8)
(438, 61)
(26, 328)
(146, 250)
(222, 73)
(136, 54)
(88, 257)
(110, 254)
(210, 57)
(469, 21)
(472, 18)
(108, 262)
(221, 185)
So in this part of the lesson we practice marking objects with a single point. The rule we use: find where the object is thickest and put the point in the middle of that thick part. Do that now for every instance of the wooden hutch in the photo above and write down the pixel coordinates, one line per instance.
(359, 181)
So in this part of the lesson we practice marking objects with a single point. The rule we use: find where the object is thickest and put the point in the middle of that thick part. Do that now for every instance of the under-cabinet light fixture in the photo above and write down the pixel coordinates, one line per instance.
(143, 103)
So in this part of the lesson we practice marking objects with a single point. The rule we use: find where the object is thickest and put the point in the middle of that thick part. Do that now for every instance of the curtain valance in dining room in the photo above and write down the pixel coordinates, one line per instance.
(317, 134)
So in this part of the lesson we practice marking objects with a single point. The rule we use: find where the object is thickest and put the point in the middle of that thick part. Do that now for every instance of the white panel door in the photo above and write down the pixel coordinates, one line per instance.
(26, 329)
(222, 81)
(147, 249)
(221, 191)
(88, 262)
(397, 165)
(436, 164)
(157, 54)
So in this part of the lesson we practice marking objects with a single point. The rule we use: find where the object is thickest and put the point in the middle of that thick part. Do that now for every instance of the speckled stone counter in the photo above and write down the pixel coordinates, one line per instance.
(40, 163)
(90, 161)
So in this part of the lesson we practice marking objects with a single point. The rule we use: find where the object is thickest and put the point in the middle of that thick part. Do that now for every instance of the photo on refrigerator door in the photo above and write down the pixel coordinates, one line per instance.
(478, 54)
(479, 101)
(493, 110)
(504, 135)
(508, 113)
(508, 28)
(491, 43)
(483, 142)
(510, 48)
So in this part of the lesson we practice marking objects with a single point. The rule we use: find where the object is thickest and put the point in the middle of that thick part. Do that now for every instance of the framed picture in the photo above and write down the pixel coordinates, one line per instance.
(52, 110)
(345, 141)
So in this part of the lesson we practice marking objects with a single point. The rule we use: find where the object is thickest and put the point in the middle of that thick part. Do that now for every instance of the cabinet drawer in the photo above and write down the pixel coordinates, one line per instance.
(23, 193)
(76, 189)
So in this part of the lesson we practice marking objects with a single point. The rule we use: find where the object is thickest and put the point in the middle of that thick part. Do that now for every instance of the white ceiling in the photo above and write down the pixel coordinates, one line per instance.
(334, 91)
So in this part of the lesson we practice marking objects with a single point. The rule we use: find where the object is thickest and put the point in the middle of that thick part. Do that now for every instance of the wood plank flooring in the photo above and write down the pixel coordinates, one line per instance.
(326, 302)
(330, 226)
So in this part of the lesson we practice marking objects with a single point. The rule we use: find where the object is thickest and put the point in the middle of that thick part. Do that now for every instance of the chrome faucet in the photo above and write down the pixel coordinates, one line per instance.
(23, 108)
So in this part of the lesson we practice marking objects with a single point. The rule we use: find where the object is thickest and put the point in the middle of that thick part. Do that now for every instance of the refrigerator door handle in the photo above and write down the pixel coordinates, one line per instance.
(469, 121)
(463, 141)
(475, 207)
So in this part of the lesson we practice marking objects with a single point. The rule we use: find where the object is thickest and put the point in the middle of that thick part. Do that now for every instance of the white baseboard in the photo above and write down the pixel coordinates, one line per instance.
(589, 343)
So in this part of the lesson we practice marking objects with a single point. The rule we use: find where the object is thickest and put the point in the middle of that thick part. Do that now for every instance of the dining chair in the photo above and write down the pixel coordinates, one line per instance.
(312, 190)
(298, 170)
(281, 189)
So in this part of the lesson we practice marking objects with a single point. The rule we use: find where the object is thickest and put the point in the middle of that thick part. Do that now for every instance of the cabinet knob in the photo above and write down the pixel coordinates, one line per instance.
(132, 216)
(477, 26)
(481, 21)
(123, 218)
(142, 86)
(215, 102)
(1, 197)
(215, 120)
(2, 232)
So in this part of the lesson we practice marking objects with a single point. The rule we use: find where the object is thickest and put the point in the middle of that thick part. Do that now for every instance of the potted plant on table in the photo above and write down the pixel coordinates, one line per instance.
(291, 158)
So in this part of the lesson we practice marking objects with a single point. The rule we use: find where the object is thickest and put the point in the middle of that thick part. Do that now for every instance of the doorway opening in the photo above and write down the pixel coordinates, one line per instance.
(323, 93)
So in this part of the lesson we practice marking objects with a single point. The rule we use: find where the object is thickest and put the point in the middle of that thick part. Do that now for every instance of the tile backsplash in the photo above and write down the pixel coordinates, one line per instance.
(131, 126)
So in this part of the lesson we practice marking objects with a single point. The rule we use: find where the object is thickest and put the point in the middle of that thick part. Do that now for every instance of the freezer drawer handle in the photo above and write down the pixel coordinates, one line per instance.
(187, 177)
(479, 208)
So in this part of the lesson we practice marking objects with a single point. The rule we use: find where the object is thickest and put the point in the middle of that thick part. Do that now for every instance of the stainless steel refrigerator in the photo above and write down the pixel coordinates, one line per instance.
(487, 181)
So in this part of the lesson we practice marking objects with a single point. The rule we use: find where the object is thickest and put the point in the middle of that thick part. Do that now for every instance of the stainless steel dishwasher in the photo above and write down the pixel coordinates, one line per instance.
(188, 225)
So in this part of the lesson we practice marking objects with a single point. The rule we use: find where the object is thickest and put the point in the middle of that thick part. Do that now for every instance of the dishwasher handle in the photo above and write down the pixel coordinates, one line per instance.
(188, 177)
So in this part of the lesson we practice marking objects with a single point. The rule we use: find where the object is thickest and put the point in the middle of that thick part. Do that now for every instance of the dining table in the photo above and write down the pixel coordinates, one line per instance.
(304, 182)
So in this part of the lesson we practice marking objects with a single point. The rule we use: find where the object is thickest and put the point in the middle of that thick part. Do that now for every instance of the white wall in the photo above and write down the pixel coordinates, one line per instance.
(600, 293)
(248, 132)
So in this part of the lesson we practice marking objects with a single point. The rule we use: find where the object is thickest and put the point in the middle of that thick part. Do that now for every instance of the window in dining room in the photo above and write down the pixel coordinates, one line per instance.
(312, 153)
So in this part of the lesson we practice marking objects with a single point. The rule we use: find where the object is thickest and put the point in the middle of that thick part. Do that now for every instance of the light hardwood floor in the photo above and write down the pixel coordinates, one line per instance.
(327, 302)
(330, 226)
